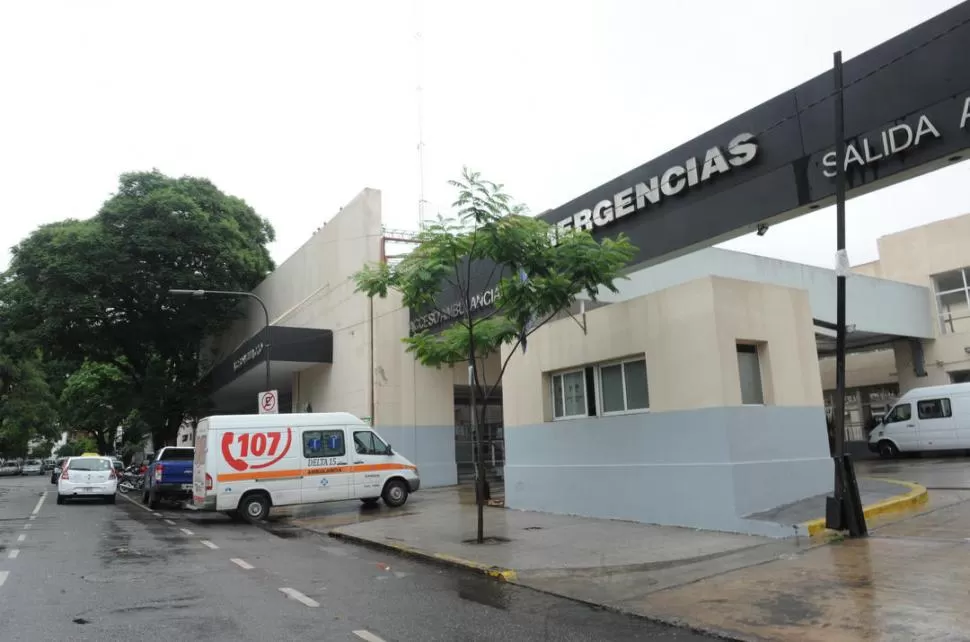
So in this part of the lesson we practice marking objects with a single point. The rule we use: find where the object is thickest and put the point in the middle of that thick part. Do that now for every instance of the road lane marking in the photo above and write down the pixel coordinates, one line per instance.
(40, 502)
(367, 635)
(14, 552)
(169, 522)
(3, 576)
(299, 597)
(241, 563)
(33, 517)
(135, 503)
(26, 527)
(21, 537)
(187, 531)
(209, 544)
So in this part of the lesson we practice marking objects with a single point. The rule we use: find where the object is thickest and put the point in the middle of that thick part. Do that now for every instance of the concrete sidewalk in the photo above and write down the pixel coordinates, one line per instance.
(739, 586)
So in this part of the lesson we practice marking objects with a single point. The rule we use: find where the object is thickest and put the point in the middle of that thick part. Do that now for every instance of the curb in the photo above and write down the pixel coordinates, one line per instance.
(495, 572)
(916, 496)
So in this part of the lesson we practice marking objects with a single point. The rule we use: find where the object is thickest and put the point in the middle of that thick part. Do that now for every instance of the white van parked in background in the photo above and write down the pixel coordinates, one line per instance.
(246, 464)
(925, 419)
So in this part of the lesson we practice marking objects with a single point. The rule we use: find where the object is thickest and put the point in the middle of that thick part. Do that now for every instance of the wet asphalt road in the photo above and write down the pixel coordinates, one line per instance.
(92, 571)
(950, 471)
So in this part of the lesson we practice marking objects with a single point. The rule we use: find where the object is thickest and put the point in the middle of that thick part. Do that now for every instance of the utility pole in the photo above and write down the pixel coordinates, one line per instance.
(844, 510)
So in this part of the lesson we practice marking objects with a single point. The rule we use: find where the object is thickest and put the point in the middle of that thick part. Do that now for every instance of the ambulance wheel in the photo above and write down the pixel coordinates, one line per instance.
(254, 507)
(395, 493)
(370, 501)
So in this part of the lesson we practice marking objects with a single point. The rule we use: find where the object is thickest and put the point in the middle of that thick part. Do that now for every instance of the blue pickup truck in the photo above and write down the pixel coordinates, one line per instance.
(169, 477)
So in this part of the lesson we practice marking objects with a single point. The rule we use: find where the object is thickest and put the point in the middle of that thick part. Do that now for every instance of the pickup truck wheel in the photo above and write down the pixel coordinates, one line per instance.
(60, 498)
(109, 499)
(395, 493)
(153, 500)
(254, 508)
(144, 498)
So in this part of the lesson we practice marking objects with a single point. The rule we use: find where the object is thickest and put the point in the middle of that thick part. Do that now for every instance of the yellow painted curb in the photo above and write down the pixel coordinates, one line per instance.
(498, 573)
(916, 496)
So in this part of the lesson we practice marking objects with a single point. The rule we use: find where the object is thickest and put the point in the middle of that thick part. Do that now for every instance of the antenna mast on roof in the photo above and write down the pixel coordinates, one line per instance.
(419, 73)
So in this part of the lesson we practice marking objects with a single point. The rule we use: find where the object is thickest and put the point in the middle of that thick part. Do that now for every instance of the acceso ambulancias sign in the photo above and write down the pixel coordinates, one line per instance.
(482, 300)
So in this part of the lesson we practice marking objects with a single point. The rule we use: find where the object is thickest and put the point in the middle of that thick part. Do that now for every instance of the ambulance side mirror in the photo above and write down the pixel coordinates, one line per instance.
(387, 450)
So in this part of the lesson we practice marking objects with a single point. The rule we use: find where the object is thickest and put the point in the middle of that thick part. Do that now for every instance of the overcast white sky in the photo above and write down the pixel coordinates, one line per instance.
(296, 106)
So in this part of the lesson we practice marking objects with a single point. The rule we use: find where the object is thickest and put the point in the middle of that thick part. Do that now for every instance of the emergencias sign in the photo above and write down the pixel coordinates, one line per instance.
(637, 197)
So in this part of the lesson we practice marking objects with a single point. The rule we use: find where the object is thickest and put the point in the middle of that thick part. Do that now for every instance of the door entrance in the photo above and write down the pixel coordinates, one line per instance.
(492, 432)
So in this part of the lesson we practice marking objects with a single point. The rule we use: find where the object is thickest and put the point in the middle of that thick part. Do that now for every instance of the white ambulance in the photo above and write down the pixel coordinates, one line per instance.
(247, 464)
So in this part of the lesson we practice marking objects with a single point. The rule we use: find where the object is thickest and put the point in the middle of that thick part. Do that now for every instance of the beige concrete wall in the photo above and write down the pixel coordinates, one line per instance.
(406, 393)
(861, 369)
(689, 334)
(315, 288)
(873, 269)
(915, 256)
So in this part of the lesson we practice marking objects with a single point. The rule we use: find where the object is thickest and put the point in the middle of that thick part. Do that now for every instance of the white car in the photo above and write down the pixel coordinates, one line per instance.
(87, 477)
(31, 467)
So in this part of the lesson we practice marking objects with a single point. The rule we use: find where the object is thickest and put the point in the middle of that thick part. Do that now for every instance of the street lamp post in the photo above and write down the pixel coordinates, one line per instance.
(262, 304)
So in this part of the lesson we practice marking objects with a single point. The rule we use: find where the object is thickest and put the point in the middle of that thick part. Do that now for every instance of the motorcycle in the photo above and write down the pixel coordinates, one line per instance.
(131, 479)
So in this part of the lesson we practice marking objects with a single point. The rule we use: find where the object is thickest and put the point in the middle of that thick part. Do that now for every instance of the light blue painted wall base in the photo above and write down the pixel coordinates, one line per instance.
(705, 468)
(431, 448)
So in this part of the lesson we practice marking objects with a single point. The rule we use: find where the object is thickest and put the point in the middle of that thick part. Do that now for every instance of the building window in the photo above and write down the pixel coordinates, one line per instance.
(749, 369)
(569, 395)
(953, 301)
(623, 386)
(933, 408)
(606, 389)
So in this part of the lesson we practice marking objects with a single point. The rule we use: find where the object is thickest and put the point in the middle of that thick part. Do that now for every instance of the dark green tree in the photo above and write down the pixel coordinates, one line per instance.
(538, 276)
(97, 290)
(28, 408)
(95, 402)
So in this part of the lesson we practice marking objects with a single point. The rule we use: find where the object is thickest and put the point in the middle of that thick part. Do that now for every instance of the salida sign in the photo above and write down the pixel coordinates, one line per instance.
(238, 450)
(887, 143)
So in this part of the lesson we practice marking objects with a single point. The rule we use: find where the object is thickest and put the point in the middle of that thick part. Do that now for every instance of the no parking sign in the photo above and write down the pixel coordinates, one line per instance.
(268, 403)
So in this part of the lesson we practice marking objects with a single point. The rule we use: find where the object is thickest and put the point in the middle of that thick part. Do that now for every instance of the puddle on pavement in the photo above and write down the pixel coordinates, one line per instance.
(283, 530)
(484, 591)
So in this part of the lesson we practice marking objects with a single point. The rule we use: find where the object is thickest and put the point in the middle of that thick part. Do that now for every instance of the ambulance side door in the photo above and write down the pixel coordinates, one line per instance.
(327, 475)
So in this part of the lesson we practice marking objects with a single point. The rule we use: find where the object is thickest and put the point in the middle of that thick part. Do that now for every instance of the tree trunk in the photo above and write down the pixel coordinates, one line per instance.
(102, 441)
